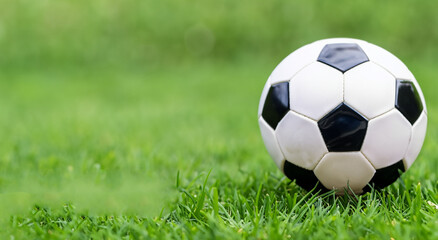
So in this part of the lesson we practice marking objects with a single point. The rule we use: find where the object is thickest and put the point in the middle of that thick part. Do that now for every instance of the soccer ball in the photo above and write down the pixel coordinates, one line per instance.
(342, 114)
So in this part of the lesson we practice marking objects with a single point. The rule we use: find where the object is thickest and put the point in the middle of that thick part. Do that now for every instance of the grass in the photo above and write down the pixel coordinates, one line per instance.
(157, 154)
(273, 209)
(137, 120)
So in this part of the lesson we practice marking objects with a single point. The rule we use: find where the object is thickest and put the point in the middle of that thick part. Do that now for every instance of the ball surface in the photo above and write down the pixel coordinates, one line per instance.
(342, 114)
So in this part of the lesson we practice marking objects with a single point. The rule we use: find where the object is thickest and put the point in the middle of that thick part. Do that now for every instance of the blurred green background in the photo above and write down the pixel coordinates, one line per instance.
(102, 103)
(165, 33)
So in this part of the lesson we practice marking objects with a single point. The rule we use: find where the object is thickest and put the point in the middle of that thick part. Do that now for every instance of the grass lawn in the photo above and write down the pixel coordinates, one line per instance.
(155, 153)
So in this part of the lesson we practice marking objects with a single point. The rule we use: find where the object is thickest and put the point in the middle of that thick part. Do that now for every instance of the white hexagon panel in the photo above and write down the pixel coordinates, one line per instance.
(344, 170)
(386, 60)
(316, 90)
(300, 140)
(296, 61)
(417, 139)
(392, 64)
(271, 143)
(369, 89)
(387, 139)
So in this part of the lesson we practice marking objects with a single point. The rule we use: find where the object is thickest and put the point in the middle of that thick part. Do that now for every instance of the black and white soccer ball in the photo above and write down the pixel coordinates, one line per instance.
(342, 114)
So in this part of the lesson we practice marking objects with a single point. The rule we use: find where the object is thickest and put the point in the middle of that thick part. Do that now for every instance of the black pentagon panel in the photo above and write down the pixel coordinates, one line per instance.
(342, 56)
(386, 176)
(276, 104)
(303, 177)
(343, 129)
(408, 101)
